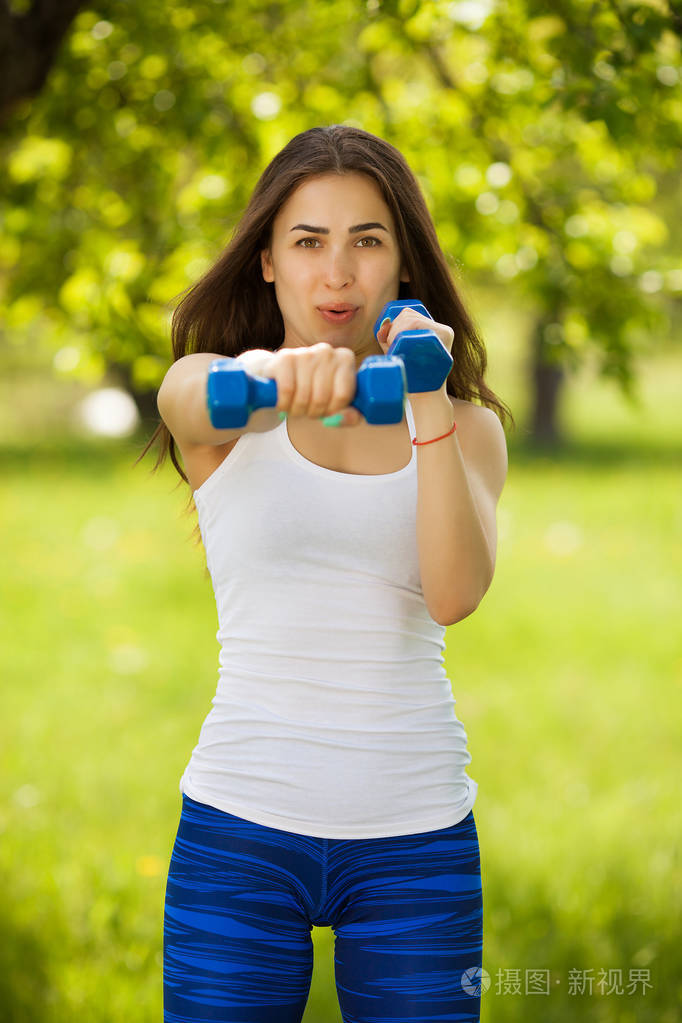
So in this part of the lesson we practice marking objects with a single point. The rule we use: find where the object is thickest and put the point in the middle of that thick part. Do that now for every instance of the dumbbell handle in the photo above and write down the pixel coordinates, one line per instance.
(233, 393)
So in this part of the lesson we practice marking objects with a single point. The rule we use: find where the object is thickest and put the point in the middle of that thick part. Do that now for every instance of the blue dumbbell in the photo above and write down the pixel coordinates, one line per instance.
(427, 360)
(232, 394)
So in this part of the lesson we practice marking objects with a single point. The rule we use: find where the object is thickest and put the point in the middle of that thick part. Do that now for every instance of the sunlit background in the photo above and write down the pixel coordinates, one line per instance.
(547, 144)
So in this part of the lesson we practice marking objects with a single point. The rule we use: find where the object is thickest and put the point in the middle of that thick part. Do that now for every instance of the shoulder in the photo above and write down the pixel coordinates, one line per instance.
(482, 441)
(477, 417)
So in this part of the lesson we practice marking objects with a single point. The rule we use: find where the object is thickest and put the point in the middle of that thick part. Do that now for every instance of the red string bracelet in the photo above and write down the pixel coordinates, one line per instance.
(415, 441)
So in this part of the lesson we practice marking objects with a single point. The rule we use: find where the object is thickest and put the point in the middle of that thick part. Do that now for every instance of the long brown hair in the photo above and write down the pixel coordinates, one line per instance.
(232, 308)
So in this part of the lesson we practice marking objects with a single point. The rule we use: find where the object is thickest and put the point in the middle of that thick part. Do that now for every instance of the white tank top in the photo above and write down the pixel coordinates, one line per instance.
(333, 715)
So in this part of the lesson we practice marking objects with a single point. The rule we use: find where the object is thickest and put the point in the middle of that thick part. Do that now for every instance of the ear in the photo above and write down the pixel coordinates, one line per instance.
(266, 266)
(404, 276)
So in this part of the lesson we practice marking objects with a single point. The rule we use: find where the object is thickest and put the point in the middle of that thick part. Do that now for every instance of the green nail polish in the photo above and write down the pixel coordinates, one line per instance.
(333, 420)
(282, 416)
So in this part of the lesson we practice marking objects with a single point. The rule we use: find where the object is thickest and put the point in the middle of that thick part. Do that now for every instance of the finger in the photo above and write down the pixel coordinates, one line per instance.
(304, 363)
(284, 373)
(351, 417)
(384, 329)
(322, 385)
(344, 383)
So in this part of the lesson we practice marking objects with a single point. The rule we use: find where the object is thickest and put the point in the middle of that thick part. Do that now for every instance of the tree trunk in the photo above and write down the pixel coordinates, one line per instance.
(547, 379)
(28, 47)
(147, 407)
(120, 374)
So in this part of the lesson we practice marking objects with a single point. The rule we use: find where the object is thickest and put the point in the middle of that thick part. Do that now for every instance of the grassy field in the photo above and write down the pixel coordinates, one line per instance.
(567, 679)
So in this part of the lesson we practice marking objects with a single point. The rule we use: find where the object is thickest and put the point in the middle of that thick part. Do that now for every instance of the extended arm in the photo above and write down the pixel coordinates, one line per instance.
(182, 400)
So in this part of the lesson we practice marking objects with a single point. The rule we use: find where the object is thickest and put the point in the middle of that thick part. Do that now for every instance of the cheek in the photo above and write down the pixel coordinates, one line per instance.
(298, 273)
(383, 269)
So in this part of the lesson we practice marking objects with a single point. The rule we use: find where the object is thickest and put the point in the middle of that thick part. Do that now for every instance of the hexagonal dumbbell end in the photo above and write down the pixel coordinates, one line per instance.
(232, 394)
(391, 309)
(427, 360)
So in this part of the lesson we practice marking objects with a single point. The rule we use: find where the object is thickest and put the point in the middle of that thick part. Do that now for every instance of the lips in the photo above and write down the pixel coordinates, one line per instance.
(334, 315)
(337, 307)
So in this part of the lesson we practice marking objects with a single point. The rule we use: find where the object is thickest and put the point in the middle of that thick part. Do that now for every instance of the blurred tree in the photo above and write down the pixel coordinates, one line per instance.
(540, 138)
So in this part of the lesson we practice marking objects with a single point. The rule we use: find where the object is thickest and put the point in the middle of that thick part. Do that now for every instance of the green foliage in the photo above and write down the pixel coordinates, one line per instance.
(540, 138)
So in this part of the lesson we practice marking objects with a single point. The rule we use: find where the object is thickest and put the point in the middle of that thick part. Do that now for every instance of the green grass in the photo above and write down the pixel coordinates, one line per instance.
(567, 679)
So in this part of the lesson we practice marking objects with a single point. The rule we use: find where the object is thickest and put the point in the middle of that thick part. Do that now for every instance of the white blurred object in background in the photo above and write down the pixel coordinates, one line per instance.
(108, 412)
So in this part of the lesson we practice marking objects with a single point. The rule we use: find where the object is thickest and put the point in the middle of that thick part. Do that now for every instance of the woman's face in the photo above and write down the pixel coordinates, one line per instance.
(333, 243)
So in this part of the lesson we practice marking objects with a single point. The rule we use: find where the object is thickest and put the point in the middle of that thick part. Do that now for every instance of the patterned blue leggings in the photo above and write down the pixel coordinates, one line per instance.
(241, 901)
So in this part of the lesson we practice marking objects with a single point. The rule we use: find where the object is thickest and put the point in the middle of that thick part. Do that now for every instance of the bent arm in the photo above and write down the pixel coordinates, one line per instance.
(460, 479)
(182, 404)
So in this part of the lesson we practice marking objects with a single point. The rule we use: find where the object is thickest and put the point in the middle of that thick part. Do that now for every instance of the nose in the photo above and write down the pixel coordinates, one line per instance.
(338, 269)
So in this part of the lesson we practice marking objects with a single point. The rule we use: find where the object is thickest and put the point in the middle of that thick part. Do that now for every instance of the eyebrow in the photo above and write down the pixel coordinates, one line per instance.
(351, 230)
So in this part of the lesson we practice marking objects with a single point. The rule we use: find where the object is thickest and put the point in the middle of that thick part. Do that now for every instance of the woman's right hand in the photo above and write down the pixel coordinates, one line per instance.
(315, 381)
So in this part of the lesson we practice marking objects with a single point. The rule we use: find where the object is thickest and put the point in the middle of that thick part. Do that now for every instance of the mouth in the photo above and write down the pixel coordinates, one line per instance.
(338, 312)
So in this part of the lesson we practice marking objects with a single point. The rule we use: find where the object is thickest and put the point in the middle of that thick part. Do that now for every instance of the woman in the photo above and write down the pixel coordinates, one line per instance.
(328, 784)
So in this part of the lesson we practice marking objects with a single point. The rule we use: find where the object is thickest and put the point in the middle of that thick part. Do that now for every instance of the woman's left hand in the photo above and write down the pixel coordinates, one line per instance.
(409, 319)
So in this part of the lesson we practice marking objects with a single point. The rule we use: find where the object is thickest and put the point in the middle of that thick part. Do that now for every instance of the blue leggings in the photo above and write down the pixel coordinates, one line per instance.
(242, 898)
